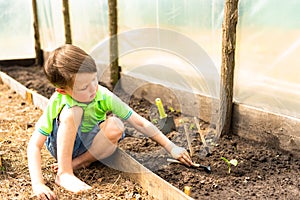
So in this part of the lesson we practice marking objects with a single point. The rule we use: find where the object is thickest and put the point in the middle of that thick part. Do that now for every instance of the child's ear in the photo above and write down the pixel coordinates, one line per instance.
(61, 91)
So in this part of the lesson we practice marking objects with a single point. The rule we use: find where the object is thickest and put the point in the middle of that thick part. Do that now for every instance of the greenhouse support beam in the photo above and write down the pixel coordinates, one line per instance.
(113, 43)
(37, 43)
(67, 24)
(227, 66)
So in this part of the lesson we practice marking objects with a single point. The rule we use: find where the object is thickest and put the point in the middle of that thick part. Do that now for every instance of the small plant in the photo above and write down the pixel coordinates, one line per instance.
(155, 121)
(171, 109)
(192, 126)
(233, 162)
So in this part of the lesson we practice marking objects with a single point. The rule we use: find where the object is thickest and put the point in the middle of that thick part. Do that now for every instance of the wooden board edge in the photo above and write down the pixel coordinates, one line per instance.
(29, 95)
(276, 131)
(157, 187)
(14, 85)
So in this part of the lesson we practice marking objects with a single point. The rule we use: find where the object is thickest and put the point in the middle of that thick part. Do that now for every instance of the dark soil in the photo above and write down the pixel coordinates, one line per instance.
(263, 172)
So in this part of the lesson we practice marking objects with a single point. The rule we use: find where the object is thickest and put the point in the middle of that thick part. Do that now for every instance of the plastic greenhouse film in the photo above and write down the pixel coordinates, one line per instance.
(268, 47)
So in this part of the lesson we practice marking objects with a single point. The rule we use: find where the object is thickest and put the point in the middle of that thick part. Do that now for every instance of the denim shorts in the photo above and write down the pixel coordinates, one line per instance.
(83, 141)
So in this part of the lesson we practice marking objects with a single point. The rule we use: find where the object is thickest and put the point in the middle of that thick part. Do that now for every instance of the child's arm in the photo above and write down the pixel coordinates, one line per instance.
(34, 163)
(147, 128)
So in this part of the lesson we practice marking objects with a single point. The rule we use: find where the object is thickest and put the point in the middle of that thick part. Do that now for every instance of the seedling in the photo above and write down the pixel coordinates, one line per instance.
(192, 126)
(171, 109)
(233, 162)
(154, 121)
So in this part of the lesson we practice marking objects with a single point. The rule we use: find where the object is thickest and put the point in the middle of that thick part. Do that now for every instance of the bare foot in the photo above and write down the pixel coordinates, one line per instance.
(71, 183)
(54, 166)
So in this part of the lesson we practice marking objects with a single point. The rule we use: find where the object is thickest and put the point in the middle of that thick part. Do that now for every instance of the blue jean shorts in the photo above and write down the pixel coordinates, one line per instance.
(82, 143)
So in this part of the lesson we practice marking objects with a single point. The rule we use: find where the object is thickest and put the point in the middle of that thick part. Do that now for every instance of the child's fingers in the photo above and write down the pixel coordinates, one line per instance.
(43, 192)
(187, 159)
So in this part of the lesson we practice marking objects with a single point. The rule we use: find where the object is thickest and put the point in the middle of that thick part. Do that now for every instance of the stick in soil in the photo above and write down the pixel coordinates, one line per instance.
(208, 152)
(115, 182)
(1, 153)
(199, 130)
(188, 140)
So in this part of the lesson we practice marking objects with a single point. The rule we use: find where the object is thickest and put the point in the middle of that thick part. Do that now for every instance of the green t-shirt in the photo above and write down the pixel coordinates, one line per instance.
(94, 112)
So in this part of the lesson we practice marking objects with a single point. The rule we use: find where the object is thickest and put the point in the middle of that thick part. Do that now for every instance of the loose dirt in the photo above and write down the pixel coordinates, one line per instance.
(263, 172)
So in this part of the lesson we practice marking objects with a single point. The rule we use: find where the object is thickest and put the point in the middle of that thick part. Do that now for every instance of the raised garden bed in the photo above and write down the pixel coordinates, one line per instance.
(263, 170)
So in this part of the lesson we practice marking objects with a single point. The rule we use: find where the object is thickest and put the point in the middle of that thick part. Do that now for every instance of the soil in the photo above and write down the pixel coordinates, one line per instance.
(263, 172)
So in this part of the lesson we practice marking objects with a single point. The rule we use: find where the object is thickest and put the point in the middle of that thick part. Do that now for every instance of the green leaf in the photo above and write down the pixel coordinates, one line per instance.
(225, 159)
(234, 162)
(171, 109)
(192, 126)
(154, 121)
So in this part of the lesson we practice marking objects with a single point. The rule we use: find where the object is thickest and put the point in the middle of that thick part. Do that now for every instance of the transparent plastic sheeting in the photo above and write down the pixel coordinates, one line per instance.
(194, 22)
(89, 22)
(88, 19)
(268, 39)
(267, 61)
(16, 35)
(51, 24)
(268, 42)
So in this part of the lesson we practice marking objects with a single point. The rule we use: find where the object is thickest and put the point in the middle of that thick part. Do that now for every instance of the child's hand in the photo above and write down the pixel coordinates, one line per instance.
(182, 155)
(43, 192)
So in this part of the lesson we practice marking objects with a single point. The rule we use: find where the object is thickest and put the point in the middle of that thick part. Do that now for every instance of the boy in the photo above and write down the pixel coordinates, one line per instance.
(74, 125)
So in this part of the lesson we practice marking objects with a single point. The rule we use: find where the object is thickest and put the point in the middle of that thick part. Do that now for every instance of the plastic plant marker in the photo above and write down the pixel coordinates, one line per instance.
(165, 122)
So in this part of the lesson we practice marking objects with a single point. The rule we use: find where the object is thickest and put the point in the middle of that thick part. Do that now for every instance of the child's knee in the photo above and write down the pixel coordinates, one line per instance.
(114, 128)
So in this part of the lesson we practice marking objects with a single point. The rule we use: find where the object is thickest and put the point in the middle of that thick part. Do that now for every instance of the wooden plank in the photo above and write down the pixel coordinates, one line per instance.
(13, 84)
(113, 43)
(37, 43)
(227, 66)
(273, 130)
(39, 101)
(29, 95)
(67, 24)
(156, 186)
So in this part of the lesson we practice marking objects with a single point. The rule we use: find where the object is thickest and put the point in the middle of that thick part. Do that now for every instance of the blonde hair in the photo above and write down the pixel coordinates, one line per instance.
(65, 62)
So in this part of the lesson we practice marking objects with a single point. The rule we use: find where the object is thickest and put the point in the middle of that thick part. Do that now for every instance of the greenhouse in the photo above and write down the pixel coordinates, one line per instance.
(218, 78)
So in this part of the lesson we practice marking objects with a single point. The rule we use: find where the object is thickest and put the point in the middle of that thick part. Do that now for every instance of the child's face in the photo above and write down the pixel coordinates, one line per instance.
(84, 88)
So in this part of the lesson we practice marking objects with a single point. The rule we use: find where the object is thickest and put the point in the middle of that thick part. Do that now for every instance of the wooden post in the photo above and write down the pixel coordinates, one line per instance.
(227, 66)
(67, 24)
(113, 43)
(37, 44)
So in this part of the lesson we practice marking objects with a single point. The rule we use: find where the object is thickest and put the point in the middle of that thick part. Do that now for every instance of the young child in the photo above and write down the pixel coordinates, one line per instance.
(74, 126)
